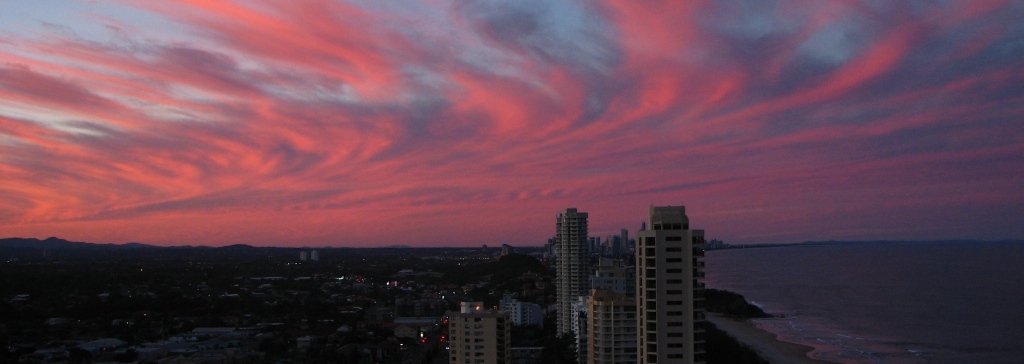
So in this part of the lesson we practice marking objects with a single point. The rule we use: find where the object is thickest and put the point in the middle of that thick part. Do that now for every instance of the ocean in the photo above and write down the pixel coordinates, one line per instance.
(886, 302)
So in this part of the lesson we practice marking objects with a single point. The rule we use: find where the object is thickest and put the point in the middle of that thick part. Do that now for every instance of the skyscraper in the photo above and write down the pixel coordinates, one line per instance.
(573, 273)
(670, 294)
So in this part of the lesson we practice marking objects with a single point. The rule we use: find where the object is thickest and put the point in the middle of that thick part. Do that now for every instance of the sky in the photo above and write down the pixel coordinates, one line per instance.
(468, 122)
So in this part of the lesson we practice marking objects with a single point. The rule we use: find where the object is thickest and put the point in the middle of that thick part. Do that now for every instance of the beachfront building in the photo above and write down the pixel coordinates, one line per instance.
(573, 264)
(479, 336)
(670, 292)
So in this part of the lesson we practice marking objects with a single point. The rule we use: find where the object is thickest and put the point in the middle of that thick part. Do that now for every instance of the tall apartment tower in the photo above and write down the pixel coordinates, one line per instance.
(479, 336)
(573, 273)
(670, 294)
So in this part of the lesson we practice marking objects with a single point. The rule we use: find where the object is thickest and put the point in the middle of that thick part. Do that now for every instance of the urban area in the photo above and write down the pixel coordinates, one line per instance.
(625, 298)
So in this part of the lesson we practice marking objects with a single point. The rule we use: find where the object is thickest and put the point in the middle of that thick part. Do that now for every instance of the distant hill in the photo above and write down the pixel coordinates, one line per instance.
(238, 246)
(58, 243)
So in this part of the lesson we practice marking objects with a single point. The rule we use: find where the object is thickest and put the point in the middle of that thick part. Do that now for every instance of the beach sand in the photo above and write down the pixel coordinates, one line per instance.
(763, 342)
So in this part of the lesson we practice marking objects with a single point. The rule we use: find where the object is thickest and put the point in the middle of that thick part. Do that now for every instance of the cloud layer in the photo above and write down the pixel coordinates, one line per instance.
(476, 122)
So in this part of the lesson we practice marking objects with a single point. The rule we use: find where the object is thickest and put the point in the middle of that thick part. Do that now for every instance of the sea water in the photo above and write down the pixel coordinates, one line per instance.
(886, 302)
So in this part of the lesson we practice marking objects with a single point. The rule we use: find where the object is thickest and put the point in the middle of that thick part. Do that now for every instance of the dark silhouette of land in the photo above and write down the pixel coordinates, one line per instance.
(61, 299)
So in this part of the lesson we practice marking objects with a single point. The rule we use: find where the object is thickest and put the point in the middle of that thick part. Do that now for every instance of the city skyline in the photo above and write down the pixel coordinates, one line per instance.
(362, 124)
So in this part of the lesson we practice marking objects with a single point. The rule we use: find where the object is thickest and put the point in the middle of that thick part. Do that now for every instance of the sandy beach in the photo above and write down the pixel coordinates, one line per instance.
(763, 342)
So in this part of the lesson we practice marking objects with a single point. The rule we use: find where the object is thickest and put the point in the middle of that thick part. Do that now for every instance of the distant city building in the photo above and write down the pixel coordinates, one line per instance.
(715, 244)
(426, 307)
(522, 313)
(612, 325)
(623, 243)
(613, 275)
(479, 336)
(506, 249)
(573, 264)
(307, 255)
(670, 295)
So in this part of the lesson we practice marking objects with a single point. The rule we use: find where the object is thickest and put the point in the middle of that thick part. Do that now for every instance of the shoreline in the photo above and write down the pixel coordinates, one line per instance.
(764, 343)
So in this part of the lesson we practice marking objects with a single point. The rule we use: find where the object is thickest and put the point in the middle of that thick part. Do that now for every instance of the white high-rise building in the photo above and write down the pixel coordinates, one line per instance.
(522, 313)
(669, 292)
(573, 273)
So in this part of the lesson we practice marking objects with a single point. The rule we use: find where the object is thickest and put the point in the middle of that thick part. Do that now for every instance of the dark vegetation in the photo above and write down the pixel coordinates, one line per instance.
(722, 348)
(59, 294)
(140, 294)
(731, 304)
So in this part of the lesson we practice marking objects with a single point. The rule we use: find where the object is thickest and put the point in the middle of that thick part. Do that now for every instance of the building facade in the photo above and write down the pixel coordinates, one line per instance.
(611, 319)
(611, 314)
(670, 291)
(580, 330)
(613, 275)
(573, 264)
(478, 336)
(522, 313)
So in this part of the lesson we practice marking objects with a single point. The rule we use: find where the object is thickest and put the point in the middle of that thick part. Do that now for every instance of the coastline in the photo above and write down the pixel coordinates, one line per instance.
(764, 343)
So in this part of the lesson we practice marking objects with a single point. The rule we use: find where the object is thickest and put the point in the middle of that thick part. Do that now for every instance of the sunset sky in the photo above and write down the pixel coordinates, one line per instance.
(461, 123)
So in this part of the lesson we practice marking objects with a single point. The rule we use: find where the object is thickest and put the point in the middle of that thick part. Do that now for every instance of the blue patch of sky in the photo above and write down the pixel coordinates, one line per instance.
(84, 19)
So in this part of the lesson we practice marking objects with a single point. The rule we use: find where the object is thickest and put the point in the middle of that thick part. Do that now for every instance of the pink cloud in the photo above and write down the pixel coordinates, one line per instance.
(315, 123)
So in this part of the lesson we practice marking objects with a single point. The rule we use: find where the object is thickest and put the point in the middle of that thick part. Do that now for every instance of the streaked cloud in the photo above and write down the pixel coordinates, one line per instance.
(470, 122)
